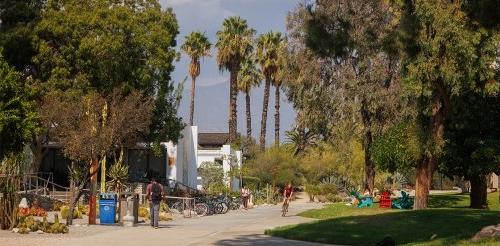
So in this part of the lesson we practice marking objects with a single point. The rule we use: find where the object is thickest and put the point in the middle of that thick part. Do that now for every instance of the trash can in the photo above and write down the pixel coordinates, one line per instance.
(134, 206)
(107, 208)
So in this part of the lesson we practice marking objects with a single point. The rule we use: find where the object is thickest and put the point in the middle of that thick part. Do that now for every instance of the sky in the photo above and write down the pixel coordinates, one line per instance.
(212, 86)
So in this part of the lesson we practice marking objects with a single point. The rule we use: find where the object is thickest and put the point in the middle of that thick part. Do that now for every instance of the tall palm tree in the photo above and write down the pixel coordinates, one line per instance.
(248, 77)
(234, 44)
(196, 46)
(267, 55)
(278, 80)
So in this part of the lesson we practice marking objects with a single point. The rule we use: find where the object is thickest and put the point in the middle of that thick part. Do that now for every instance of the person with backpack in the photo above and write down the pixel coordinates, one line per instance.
(154, 193)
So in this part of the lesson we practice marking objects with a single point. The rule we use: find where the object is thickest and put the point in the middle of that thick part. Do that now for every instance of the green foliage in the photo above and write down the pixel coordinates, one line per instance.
(18, 116)
(65, 213)
(16, 32)
(212, 177)
(398, 149)
(102, 45)
(300, 140)
(249, 76)
(196, 46)
(269, 53)
(276, 166)
(234, 42)
(473, 146)
(118, 174)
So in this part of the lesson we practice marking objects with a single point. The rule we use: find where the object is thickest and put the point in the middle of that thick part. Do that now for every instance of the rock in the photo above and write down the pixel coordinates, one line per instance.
(15, 230)
(23, 203)
(487, 232)
(40, 232)
(489, 229)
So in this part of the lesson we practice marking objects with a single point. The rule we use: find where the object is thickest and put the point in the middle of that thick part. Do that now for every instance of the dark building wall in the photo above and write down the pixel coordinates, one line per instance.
(143, 164)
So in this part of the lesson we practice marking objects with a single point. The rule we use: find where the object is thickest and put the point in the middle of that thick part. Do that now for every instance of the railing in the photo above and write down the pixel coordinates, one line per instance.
(33, 183)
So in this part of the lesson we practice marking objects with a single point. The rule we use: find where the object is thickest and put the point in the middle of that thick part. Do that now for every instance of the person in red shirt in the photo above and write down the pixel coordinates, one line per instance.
(287, 194)
(154, 194)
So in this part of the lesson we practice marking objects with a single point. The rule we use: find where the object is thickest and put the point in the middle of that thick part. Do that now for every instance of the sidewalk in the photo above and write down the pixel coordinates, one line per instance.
(242, 227)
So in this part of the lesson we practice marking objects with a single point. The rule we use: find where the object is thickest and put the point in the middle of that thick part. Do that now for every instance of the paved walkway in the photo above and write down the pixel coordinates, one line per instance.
(233, 228)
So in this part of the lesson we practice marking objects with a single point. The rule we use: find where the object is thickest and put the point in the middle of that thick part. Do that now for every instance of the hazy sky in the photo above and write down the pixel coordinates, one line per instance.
(212, 99)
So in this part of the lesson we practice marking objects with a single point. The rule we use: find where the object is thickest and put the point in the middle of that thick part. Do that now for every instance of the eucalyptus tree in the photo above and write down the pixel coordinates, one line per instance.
(196, 46)
(447, 55)
(343, 71)
(269, 46)
(234, 44)
(249, 76)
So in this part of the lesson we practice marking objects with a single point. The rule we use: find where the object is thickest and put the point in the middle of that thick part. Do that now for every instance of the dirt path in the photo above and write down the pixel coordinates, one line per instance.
(234, 228)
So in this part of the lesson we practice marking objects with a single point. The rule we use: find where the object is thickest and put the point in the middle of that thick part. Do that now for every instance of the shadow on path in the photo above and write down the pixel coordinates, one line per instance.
(259, 239)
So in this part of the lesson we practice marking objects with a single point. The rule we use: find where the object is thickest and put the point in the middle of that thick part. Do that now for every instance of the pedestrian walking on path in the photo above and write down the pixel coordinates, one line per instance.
(154, 194)
(245, 196)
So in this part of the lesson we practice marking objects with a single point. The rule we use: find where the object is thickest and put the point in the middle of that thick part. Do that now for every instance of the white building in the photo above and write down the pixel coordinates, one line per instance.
(194, 149)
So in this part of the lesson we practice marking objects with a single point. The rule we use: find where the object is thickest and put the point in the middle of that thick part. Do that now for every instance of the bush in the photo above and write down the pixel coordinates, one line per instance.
(143, 212)
(333, 198)
(326, 189)
(276, 166)
(65, 213)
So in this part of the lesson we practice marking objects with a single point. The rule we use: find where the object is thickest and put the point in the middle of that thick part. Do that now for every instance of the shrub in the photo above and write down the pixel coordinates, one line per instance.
(143, 212)
(65, 213)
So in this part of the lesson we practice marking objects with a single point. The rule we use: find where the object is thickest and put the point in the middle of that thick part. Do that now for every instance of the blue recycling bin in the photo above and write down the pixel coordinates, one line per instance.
(107, 208)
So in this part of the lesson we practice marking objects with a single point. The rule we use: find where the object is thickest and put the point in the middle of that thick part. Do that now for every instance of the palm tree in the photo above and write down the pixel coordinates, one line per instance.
(234, 43)
(278, 80)
(268, 51)
(300, 139)
(196, 46)
(248, 77)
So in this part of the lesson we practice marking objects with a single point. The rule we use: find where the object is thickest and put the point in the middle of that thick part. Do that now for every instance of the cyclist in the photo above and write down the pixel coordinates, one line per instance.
(287, 194)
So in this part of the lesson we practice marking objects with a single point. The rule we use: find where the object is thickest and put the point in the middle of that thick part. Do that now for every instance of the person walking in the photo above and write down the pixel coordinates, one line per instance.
(154, 194)
(245, 196)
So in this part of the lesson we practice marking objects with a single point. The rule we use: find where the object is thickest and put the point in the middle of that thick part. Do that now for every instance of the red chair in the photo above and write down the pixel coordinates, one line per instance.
(385, 199)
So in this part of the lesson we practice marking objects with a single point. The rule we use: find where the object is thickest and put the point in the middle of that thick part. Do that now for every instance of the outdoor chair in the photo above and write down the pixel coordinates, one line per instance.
(405, 202)
(364, 201)
(385, 200)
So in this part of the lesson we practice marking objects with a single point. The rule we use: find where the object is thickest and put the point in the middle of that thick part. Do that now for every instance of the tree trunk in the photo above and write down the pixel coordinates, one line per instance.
(263, 122)
(277, 117)
(478, 193)
(249, 115)
(191, 108)
(69, 220)
(233, 96)
(369, 178)
(425, 170)
(93, 186)
(38, 152)
(369, 165)
(423, 184)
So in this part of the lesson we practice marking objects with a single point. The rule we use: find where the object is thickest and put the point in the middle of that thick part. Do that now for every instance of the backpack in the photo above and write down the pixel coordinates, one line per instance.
(156, 193)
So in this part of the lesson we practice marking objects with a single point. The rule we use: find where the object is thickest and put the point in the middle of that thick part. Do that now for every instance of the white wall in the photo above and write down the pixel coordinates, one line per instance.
(189, 158)
(187, 148)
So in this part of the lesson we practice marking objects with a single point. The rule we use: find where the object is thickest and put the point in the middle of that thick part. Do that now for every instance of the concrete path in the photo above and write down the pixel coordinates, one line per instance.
(234, 228)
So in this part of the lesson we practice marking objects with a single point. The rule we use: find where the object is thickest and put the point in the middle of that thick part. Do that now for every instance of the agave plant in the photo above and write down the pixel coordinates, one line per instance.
(118, 174)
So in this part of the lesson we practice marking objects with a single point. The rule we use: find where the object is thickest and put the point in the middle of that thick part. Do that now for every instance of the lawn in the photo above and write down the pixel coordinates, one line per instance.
(448, 222)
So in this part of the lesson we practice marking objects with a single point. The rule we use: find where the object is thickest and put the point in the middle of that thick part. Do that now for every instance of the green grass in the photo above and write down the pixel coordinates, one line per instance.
(448, 221)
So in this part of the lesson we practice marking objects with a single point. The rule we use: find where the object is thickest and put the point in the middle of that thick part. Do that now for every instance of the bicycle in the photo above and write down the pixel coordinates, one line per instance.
(284, 208)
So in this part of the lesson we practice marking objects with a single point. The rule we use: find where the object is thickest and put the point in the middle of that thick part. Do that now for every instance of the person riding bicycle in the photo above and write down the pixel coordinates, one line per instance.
(287, 194)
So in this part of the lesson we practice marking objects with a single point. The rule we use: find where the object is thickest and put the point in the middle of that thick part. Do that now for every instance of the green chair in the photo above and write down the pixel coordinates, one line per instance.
(364, 201)
(404, 202)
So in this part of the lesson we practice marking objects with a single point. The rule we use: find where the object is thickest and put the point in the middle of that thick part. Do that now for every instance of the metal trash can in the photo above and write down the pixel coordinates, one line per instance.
(134, 207)
(107, 208)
